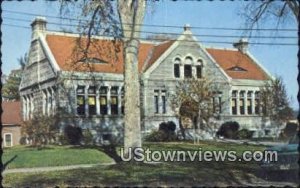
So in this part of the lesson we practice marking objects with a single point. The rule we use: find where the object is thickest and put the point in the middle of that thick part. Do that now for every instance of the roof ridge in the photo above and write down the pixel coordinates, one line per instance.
(220, 48)
(66, 34)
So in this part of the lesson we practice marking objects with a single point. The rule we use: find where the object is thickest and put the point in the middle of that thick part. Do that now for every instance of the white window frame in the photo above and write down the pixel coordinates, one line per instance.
(11, 136)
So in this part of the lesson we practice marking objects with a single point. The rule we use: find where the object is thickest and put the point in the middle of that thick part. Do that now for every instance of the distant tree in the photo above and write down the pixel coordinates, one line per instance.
(275, 102)
(258, 12)
(193, 98)
(10, 89)
(23, 61)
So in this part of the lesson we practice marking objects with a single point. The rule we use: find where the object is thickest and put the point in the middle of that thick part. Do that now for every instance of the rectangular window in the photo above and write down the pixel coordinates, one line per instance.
(188, 71)
(92, 100)
(249, 106)
(163, 98)
(8, 140)
(242, 107)
(103, 100)
(114, 100)
(234, 103)
(176, 70)
(156, 104)
(199, 71)
(123, 101)
(80, 100)
(234, 106)
(220, 104)
(256, 103)
(256, 106)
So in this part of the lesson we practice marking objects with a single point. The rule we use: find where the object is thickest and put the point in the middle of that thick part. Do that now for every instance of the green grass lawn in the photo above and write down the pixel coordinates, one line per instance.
(166, 173)
(28, 157)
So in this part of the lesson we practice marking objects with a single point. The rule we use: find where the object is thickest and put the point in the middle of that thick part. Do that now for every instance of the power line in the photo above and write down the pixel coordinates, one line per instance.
(203, 41)
(155, 25)
(165, 33)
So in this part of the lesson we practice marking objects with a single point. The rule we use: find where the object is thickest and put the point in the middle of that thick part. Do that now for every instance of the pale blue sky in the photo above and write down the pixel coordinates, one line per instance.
(278, 60)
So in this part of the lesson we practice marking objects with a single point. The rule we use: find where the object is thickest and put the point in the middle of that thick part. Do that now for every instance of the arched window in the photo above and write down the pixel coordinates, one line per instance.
(199, 68)
(188, 67)
(177, 68)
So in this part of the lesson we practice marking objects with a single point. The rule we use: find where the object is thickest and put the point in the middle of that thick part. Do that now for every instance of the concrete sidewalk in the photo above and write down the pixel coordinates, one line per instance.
(53, 168)
(264, 143)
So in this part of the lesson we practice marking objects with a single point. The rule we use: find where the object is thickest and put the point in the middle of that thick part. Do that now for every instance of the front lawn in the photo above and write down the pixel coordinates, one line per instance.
(164, 173)
(27, 157)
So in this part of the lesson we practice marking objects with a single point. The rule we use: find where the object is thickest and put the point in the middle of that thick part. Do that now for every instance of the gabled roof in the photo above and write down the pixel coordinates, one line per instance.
(229, 59)
(11, 113)
(67, 53)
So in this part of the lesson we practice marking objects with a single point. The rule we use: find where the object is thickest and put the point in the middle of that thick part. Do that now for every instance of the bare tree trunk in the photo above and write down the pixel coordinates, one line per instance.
(131, 14)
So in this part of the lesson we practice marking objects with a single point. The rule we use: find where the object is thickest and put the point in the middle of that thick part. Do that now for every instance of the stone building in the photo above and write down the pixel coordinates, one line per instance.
(88, 90)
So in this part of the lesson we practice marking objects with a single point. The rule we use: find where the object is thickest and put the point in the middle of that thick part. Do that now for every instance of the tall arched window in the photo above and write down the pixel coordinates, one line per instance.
(177, 68)
(199, 68)
(188, 67)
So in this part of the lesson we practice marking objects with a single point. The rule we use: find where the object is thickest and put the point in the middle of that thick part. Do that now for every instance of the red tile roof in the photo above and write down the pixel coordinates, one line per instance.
(11, 113)
(67, 53)
(230, 59)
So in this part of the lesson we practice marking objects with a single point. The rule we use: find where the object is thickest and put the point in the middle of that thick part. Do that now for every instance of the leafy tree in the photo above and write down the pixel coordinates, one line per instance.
(275, 101)
(193, 98)
(10, 89)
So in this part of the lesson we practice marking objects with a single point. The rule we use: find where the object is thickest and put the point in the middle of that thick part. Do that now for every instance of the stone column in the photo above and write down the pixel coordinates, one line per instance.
(97, 100)
(194, 71)
(181, 70)
(53, 101)
(86, 99)
(246, 102)
(108, 101)
(253, 102)
(49, 106)
(238, 102)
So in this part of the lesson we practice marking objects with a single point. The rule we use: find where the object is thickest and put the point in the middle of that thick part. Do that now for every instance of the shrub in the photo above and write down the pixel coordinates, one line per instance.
(160, 136)
(289, 131)
(73, 135)
(244, 134)
(88, 137)
(40, 130)
(228, 129)
(23, 140)
(165, 133)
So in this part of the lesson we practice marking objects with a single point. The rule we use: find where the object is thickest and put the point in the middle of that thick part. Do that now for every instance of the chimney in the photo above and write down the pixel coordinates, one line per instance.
(241, 45)
(38, 26)
(187, 27)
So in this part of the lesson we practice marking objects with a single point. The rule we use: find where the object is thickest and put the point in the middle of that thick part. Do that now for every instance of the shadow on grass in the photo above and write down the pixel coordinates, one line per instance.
(141, 174)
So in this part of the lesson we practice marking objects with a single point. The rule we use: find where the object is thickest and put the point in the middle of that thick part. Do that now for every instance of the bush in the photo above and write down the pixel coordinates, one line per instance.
(87, 137)
(23, 140)
(73, 135)
(160, 136)
(40, 130)
(289, 131)
(228, 130)
(165, 133)
(244, 134)
(169, 126)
